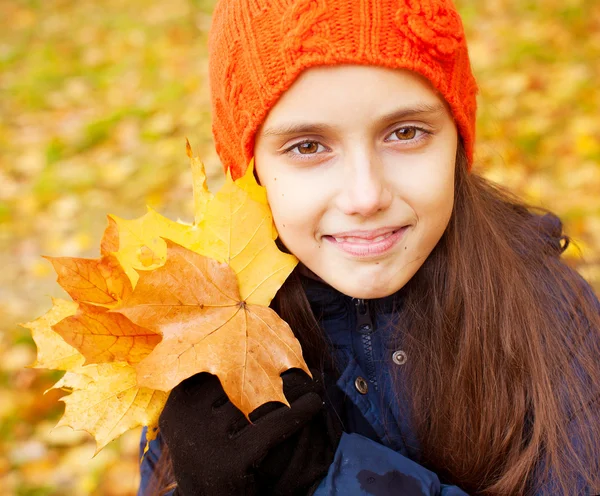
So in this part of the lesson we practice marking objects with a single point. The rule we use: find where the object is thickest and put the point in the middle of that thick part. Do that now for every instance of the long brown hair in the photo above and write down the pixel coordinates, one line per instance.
(504, 344)
(504, 340)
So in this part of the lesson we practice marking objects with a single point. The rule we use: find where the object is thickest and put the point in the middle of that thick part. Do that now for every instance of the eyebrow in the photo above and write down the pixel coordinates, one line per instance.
(421, 110)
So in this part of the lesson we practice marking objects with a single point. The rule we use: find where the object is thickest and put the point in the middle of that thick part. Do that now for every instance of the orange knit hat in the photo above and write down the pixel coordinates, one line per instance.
(257, 48)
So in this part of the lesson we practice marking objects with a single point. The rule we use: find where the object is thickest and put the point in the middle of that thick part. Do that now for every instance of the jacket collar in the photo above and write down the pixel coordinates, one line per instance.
(327, 302)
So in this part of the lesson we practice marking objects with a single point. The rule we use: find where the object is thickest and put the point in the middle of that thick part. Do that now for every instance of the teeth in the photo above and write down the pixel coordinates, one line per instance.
(362, 240)
(379, 238)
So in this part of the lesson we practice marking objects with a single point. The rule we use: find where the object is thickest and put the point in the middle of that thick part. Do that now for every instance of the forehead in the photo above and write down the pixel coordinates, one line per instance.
(322, 96)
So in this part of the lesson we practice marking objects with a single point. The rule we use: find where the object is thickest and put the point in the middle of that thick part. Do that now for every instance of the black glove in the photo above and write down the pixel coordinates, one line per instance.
(216, 451)
(296, 466)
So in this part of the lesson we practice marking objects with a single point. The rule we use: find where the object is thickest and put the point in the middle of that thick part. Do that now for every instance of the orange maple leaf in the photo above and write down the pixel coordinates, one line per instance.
(101, 336)
(195, 303)
(100, 280)
(110, 239)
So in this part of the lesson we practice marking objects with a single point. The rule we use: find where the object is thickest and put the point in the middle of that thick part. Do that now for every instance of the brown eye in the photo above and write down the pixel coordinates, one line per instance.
(308, 147)
(406, 133)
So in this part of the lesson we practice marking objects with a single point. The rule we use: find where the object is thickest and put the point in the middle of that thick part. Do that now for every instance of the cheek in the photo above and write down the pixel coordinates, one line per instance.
(434, 205)
(441, 201)
(430, 191)
(294, 210)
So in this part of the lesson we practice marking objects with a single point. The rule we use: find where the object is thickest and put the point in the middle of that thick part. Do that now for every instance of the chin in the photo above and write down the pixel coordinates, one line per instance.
(370, 286)
(370, 295)
(364, 292)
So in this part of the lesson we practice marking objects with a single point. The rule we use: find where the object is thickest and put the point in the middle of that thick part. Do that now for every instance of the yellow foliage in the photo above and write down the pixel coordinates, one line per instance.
(168, 300)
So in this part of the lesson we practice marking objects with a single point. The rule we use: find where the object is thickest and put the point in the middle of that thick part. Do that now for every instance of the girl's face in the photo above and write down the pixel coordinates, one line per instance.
(358, 164)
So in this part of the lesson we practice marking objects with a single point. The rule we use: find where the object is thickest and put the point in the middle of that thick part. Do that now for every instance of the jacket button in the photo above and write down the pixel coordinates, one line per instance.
(399, 357)
(361, 385)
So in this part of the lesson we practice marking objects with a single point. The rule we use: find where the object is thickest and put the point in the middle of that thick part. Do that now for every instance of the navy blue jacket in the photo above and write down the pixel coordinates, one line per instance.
(378, 453)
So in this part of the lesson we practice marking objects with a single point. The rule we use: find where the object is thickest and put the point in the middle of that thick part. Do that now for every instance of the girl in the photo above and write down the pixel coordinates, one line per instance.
(452, 351)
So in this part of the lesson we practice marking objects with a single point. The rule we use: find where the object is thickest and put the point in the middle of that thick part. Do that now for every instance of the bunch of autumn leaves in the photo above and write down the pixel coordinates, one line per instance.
(165, 301)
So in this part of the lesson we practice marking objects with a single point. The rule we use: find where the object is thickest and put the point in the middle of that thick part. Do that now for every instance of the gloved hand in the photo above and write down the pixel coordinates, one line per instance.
(296, 466)
(216, 451)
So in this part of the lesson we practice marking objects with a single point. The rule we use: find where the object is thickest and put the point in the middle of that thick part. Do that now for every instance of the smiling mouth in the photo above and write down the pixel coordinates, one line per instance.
(367, 244)
(358, 240)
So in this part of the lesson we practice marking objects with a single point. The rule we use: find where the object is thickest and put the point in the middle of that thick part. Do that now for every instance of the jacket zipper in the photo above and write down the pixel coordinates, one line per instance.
(365, 327)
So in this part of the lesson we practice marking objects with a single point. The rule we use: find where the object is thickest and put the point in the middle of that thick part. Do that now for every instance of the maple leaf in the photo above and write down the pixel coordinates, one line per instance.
(248, 183)
(238, 230)
(52, 351)
(106, 401)
(101, 281)
(141, 244)
(98, 335)
(166, 300)
(201, 194)
(101, 336)
(110, 238)
(195, 303)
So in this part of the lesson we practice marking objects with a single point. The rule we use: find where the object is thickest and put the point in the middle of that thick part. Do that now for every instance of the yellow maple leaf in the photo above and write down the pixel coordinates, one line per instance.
(141, 243)
(248, 183)
(201, 194)
(238, 231)
(167, 300)
(52, 350)
(141, 246)
(106, 401)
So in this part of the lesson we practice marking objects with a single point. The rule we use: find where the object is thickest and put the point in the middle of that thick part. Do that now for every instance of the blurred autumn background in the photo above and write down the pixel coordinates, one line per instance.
(96, 99)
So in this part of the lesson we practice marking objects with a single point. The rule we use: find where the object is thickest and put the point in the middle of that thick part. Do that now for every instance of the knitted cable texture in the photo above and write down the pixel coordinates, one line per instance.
(257, 49)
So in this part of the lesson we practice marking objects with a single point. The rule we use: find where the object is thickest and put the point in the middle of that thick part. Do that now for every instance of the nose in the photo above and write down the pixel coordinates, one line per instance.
(365, 190)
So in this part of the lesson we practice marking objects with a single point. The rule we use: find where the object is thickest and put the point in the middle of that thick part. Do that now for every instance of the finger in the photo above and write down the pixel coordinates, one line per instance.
(254, 416)
(199, 396)
(202, 387)
(264, 409)
(277, 426)
(297, 383)
(197, 381)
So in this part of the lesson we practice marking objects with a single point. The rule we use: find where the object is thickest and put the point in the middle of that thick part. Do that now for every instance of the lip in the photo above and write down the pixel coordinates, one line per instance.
(371, 234)
(366, 249)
